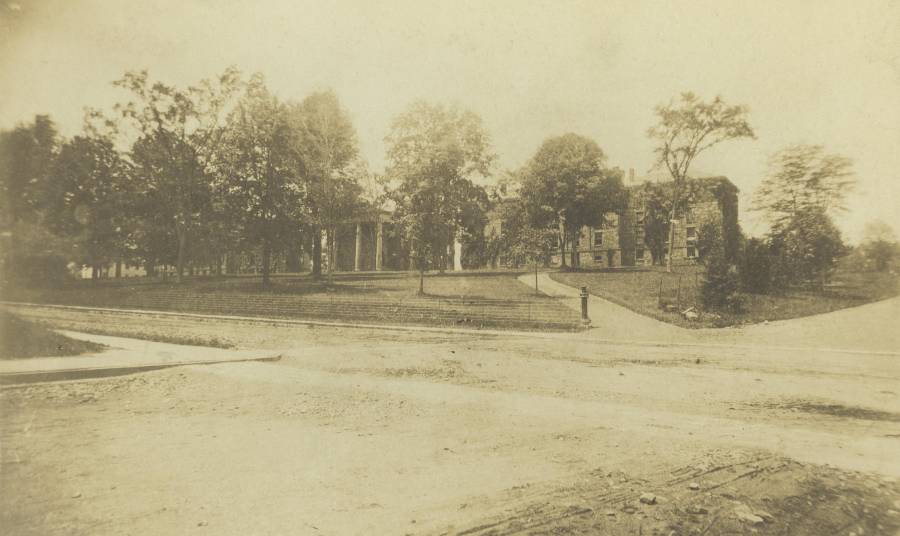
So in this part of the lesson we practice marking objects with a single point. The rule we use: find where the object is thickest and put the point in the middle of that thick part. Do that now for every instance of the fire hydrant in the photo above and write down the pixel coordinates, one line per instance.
(585, 321)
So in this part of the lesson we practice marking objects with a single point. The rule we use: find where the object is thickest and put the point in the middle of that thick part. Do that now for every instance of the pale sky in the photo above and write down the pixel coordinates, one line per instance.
(811, 71)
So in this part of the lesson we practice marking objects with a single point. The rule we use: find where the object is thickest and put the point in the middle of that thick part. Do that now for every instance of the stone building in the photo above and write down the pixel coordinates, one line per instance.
(619, 241)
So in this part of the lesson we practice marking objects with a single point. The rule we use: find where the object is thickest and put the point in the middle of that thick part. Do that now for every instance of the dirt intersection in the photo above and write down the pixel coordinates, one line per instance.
(356, 432)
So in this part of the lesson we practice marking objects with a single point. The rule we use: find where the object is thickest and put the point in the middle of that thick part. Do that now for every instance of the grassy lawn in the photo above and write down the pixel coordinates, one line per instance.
(467, 299)
(642, 290)
(20, 339)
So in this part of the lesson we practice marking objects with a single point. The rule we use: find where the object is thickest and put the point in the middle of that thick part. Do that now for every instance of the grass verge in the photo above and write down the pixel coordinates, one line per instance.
(643, 290)
(21, 339)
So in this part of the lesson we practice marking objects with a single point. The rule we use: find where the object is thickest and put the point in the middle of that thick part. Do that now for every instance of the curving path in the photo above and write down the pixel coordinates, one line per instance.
(870, 328)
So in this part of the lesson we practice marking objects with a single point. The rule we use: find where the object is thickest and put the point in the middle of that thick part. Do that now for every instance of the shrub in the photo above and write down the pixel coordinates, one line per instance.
(807, 249)
(721, 283)
(38, 270)
(755, 268)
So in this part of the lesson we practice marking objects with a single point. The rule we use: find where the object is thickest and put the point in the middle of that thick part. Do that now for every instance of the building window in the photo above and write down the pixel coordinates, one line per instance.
(692, 234)
(598, 238)
(639, 254)
(691, 252)
(689, 216)
(639, 217)
(598, 258)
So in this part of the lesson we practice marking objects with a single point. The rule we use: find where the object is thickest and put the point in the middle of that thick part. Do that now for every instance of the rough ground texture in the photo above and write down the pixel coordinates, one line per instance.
(361, 432)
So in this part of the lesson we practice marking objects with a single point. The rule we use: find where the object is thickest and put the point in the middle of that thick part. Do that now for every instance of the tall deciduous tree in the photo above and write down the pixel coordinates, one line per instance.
(685, 129)
(90, 202)
(434, 153)
(567, 184)
(330, 166)
(803, 178)
(178, 133)
(258, 165)
(27, 153)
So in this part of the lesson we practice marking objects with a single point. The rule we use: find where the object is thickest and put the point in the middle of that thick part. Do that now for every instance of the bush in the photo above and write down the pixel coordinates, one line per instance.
(721, 288)
(721, 283)
(37, 270)
(755, 268)
(807, 249)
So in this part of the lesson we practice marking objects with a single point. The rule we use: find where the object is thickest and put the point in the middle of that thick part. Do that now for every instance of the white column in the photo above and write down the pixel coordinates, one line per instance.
(457, 255)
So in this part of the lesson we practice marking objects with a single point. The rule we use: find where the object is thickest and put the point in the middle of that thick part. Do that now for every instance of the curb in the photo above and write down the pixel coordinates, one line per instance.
(12, 379)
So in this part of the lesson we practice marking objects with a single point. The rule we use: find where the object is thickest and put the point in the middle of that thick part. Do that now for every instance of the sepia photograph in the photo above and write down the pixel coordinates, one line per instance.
(473, 267)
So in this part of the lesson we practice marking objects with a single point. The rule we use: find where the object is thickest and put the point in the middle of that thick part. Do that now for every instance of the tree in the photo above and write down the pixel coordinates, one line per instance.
(685, 129)
(803, 178)
(90, 202)
(177, 135)
(566, 184)
(258, 168)
(755, 266)
(879, 244)
(534, 245)
(27, 154)
(721, 283)
(806, 248)
(434, 152)
(329, 165)
(804, 188)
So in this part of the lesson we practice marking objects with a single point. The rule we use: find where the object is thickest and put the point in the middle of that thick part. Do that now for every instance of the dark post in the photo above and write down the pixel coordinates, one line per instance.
(584, 307)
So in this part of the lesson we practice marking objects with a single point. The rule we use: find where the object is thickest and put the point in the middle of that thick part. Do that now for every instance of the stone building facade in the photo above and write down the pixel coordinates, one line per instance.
(619, 240)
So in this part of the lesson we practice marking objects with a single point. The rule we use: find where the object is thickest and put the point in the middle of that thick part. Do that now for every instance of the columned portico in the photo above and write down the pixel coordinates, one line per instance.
(366, 242)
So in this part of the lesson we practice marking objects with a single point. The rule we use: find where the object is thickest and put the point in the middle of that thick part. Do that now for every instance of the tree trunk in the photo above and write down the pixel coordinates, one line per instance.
(536, 291)
(574, 253)
(316, 252)
(671, 242)
(118, 269)
(266, 260)
(421, 279)
(182, 253)
(562, 245)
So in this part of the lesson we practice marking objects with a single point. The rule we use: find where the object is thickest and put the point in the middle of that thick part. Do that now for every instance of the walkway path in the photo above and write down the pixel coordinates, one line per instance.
(870, 328)
(122, 357)
(611, 321)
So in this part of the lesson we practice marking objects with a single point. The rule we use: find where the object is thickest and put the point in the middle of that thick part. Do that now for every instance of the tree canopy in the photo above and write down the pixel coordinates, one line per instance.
(435, 154)
(685, 129)
(567, 184)
(803, 178)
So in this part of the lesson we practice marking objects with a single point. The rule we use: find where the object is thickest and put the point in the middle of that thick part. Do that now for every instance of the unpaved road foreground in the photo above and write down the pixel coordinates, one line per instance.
(397, 434)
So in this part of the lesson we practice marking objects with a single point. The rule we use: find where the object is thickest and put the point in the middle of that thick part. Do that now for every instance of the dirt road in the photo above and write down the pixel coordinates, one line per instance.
(361, 432)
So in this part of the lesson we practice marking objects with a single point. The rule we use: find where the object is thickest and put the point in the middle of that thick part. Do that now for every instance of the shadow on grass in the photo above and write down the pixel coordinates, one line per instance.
(23, 339)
